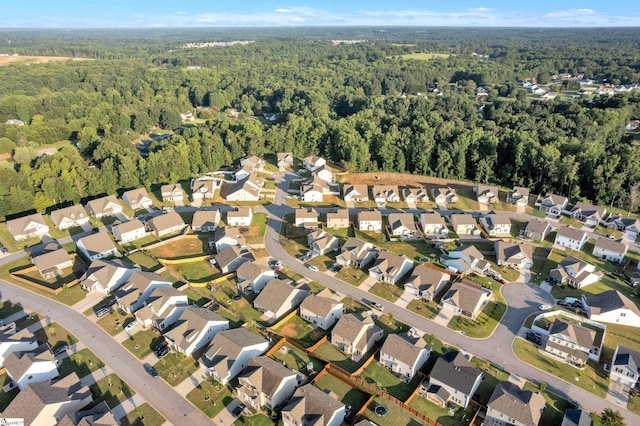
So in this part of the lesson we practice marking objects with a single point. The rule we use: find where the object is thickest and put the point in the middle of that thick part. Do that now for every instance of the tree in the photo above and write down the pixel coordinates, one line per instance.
(610, 417)
(206, 394)
(542, 386)
(65, 289)
(139, 413)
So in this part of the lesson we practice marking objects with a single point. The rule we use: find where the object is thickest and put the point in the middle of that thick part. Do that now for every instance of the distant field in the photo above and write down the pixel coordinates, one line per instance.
(6, 60)
(424, 56)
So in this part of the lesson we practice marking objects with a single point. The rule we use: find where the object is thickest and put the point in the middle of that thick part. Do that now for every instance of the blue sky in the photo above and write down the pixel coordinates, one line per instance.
(234, 13)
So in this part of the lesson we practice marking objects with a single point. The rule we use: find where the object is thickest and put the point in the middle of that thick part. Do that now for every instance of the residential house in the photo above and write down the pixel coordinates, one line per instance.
(98, 415)
(426, 282)
(172, 193)
(12, 340)
(306, 218)
(355, 335)
(390, 267)
(496, 225)
(162, 308)
(32, 226)
(571, 238)
(452, 380)
(514, 255)
(355, 193)
(285, 160)
(464, 224)
(97, 246)
(575, 273)
(132, 295)
(386, 194)
(256, 164)
(35, 366)
(106, 276)
(251, 276)
(230, 259)
(510, 405)
(536, 229)
(278, 298)
(104, 206)
(465, 259)
(632, 125)
(611, 250)
(241, 216)
(247, 189)
(588, 213)
(311, 406)
(203, 188)
(611, 307)
(71, 216)
(129, 231)
(625, 367)
(46, 403)
(370, 220)
(51, 264)
(631, 226)
(576, 417)
(226, 236)
(321, 310)
(312, 162)
(570, 342)
(266, 383)
(403, 225)
(415, 195)
(338, 219)
(324, 173)
(230, 351)
(466, 298)
(605, 90)
(553, 204)
(444, 195)
(321, 242)
(166, 224)
(194, 329)
(403, 357)
(433, 225)
(137, 199)
(486, 194)
(519, 196)
(205, 220)
(312, 190)
(356, 253)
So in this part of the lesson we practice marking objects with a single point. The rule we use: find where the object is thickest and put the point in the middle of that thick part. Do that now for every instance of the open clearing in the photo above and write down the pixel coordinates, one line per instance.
(425, 56)
(6, 60)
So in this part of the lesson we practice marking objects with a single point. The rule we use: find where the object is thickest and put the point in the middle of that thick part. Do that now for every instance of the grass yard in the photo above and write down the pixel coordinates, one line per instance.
(142, 343)
(554, 410)
(574, 223)
(428, 309)
(439, 414)
(255, 420)
(8, 308)
(390, 292)
(55, 335)
(12, 245)
(619, 335)
(198, 272)
(295, 359)
(424, 56)
(396, 416)
(82, 363)
(384, 379)
(352, 276)
(257, 229)
(349, 396)
(176, 367)
(353, 306)
(390, 325)
(141, 242)
(218, 398)
(325, 261)
(146, 262)
(6, 397)
(181, 247)
(111, 389)
(294, 247)
(634, 403)
(301, 331)
(150, 417)
(338, 358)
(492, 376)
(113, 322)
(483, 325)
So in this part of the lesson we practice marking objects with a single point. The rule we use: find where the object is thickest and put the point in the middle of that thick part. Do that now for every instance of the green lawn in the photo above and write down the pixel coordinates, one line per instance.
(492, 376)
(82, 362)
(255, 420)
(176, 367)
(150, 417)
(142, 343)
(6, 397)
(242, 308)
(301, 331)
(334, 355)
(200, 271)
(396, 416)
(390, 292)
(352, 276)
(439, 414)
(390, 325)
(634, 403)
(259, 220)
(113, 322)
(325, 261)
(218, 398)
(483, 325)
(349, 396)
(554, 410)
(295, 359)
(111, 389)
(384, 379)
(195, 295)
(141, 242)
(427, 309)
(55, 335)
(145, 261)
(8, 308)
(574, 223)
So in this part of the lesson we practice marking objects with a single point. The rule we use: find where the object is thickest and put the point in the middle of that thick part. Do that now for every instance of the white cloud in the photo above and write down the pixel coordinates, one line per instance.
(571, 13)
(480, 9)
(281, 10)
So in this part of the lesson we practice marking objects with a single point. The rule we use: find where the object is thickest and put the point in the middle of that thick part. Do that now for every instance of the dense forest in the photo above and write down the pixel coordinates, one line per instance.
(361, 105)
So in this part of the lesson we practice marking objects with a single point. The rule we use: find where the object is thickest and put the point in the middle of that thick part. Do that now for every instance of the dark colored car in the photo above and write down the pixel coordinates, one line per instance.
(534, 337)
(152, 371)
(160, 352)
(563, 303)
(238, 410)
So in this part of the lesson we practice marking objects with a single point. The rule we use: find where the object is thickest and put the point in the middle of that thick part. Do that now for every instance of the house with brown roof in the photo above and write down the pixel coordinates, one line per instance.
(132, 295)
(403, 225)
(306, 217)
(611, 307)
(338, 219)
(611, 250)
(129, 231)
(32, 226)
(203, 188)
(466, 298)
(403, 357)
(12, 340)
(98, 415)
(553, 204)
(426, 282)
(324, 173)
(266, 383)
(356, 253)
(390, 267)
(285, 160)
(241, 216)
(227, 236)
(444, 195)
(514, 255)
(415, 195)
(137, 199)
(313, 189)
(104, 206)
(571, 238)
(321, 242)
(312, 162)
(194, 328)
(106, 276)
(311, 406)
(575, 273)
(386, 194)
(247, 189)
(355, 335)
(230, 259)
(370, 220)
(571, 342)
(496, 225)
(588, 213)
(51, 264)
(162, 308)
(465, 259)
(251, 276)
(486, 194)
(464, 224)
(519, 196)
(510, 405)
(321, 310)
(536, 229)
(205, 220)
(433, 225)
(255, 163)
(278, 298)
(97, 246)
(355, 193)
(452, 380)
(166, 224)
(68, 217)
(24, 367)
(172, 193)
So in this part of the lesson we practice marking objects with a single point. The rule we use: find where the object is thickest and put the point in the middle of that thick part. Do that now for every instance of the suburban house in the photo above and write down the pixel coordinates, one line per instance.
(553, 204)
(386, 194)
(576, 417)
(241, 216)
(162, 308)
(194, 328)
(536, 229)
(166, 224)
(226, 236)
(313, 162)
(104, 206)
(98, 415)
(321, 310)
(570, 342)
(285, 160)
(625, 367)
(230, 259)
(510, 405)
(514, 255)
(306, 218)
(496, 225)
(575, 273)
(444, 195)
(390, 267)
(519, 196)
(203, 187)
(247, 189)
(16, 341)
(32, 226)
(312, 190)
(452, 380)
(370, 220)
(137, 199)
(466, 298)
(46, 403)
(132, 295)
(97, 246)
(415, 195)
(356, 253)
(426, 282)
(230, 351)
(129, 231)
(278, 298)
(205, 220)
(266, 383)
(68, 217)
(311, 406)
(355, 193)
(106, 276)
(465, 259)
(251, 276)
(611, 307)
(255, 163)
(321, 242)
(403, 225)
(172, 193)
(243, 172)
(433, 225)
(51, 264)
(628, 225)
(571, 238)
(355, 335)
(338, 219)
(35, 366)
(403, 357)
(324, 172)
(464, 224)
(611, 250)
(487, 194)
(588, 213)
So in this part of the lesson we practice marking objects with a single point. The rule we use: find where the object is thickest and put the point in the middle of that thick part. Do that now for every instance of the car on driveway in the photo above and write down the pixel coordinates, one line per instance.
(313, 268)
(238, 410)
(534, 337)
(563, 303)
(130, 326)
(335, 268)
(544, 307)
(152, 371)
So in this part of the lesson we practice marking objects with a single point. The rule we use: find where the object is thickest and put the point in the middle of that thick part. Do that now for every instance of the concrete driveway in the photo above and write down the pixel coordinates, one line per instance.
(225, 417)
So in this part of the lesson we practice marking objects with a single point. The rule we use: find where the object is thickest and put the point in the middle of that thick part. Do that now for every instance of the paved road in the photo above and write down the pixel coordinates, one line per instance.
(174, 407)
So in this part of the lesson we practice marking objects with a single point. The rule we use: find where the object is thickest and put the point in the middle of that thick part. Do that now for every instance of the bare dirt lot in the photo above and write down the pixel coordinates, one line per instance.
(401, 179)
(6, 60)
(180, 247)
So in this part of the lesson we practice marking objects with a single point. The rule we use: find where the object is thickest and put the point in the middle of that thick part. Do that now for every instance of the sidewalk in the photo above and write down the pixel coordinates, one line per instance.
(367, 284)
(402, 301)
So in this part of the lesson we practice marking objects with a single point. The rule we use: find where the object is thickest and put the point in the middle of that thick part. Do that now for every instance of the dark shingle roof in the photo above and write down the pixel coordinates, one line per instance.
(454, 370)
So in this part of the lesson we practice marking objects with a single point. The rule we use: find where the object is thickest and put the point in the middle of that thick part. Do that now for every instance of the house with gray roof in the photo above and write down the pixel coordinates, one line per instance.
(573, 343)
(97, 246)
(251, 276)
(162, 308)
(625, 366)
(321, 310)
(355, 335)
(99, 415)
(231, 258)
(575, 273)
(24, 367)
(166, 224)
(12, 340)
(285, 160)
(464, 224)
(514, 255)
(132, 295)
(386, 194)
(466, 298)
(321, 242)
(247, 189)
(452, 380)
(370, 220)
(356, 253)
(32, 226)
(205, 220)
(104, 206)
(106, 276)
(402, 357)
(426, 282)
(487, 194)
(266, 383)
(519, 196)
(415, 195)
(227, 236)
(128, 231)
(311, 406)
(570, 238)
(390, 267)
(279, 297)
(510, 405)
(536, 229)
(553, 204)
(433, 225)
(576, 417)
(338, 219)
(590, 214)
(496, 225)
(611, 250)
(194, 328)
(241, 216)
(172, 193)
(203, 188)
(403, 225)
(137, 199)
(465, 259)
(306, 218)
(444, 195)
(52, 264)
(68, 217)
(355, 193)
(611, 306)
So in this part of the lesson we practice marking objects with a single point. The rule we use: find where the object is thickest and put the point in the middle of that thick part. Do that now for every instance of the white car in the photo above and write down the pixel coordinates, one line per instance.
(544, 307)
(313, 268)
(130, 326)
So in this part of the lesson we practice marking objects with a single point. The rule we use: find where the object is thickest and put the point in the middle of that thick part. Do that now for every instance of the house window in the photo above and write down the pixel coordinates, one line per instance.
(623, 314)
(30, 377)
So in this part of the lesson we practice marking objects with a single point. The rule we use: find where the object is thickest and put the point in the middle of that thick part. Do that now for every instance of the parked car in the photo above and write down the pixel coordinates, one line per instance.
(102, 312)
(544, 307)
(501, 280)
(238, 410)
(152, 371)
(161, 350)
(61, 350)
(130, 326)
(335, 267)
(534, 337)
(563, 303)
(313, 268)
(376, 306)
